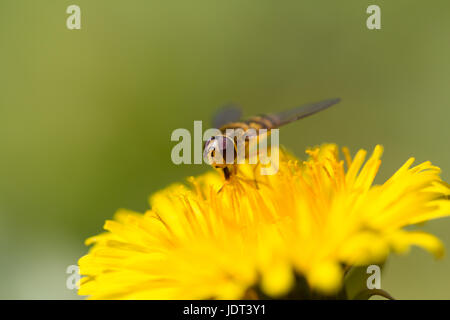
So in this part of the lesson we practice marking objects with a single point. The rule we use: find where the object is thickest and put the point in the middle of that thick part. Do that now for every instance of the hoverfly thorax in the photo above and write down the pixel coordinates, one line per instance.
(219, 151)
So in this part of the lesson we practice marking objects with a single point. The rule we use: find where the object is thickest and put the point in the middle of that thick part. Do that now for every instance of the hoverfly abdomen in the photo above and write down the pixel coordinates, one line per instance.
(260, 122)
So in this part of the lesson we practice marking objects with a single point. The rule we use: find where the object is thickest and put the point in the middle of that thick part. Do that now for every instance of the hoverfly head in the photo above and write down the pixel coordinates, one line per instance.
(219, 149)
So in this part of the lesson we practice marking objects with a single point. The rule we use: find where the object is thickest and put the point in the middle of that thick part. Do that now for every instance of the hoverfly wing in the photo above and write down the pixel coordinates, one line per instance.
(227, 114)
(285, 117)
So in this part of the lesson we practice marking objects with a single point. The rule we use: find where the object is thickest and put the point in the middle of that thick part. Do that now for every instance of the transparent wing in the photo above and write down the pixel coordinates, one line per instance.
(285, 117)
(228, 113)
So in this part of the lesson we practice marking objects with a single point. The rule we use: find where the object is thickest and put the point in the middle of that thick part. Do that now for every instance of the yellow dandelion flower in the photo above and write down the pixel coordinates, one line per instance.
(293, 235)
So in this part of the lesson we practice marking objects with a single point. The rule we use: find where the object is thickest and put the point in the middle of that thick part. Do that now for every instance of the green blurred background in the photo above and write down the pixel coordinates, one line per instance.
(86, 115)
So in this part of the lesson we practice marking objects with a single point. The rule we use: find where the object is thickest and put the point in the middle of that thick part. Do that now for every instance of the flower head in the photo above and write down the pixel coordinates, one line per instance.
(300, 228)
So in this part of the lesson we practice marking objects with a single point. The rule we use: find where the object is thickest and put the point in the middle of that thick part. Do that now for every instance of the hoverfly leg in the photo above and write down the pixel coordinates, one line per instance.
(254, 175)
(235, 170)
(227, 176)
(226, 173)
(221, 188)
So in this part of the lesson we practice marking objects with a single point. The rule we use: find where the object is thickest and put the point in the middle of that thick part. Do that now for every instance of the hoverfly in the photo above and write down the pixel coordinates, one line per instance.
(218, 147)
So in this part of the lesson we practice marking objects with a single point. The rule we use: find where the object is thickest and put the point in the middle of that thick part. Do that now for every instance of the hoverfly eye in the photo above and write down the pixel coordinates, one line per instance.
(209, 150)
(218, 149)
(226, 149)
